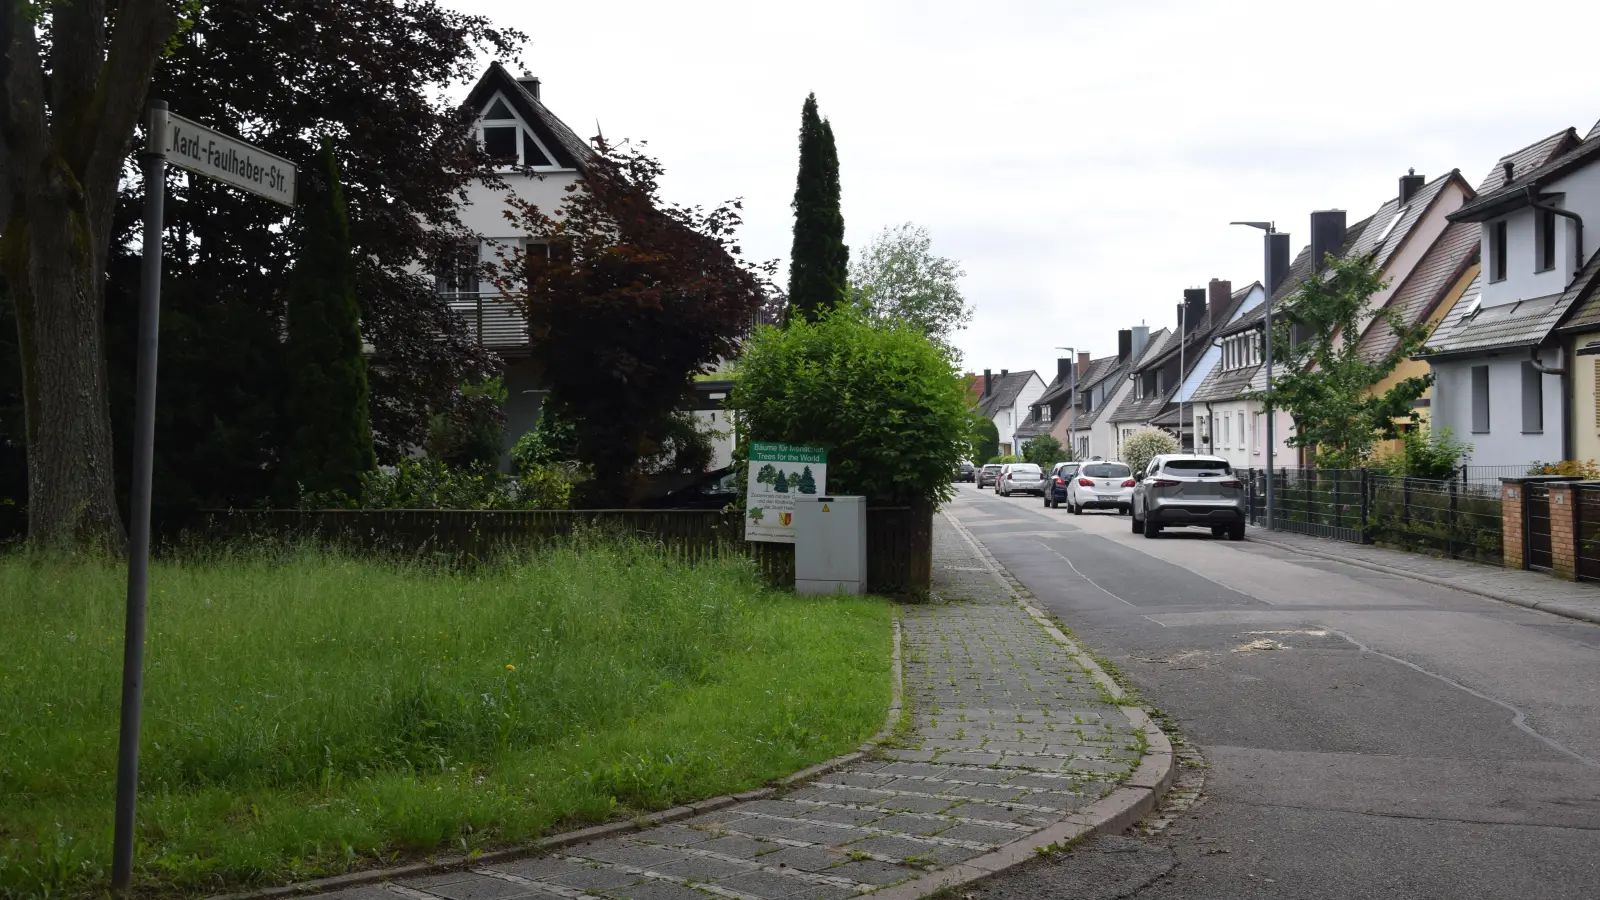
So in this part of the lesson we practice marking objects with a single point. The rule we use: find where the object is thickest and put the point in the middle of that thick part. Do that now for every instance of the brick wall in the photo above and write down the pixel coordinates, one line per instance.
(1511, 523)
(1563, 531)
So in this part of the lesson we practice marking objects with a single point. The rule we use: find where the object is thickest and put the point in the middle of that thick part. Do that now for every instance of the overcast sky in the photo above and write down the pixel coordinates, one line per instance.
(1081, 160)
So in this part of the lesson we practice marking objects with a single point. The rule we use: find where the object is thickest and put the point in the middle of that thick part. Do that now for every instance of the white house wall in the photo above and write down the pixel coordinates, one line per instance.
(1504, 444)
(1582, 189)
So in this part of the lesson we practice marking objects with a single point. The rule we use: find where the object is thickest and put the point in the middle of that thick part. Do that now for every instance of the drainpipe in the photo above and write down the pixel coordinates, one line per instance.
(1211, 428)
(1560, 368)
(1577, 222)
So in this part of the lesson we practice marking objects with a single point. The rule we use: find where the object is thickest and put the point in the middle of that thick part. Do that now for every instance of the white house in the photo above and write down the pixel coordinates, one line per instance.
(1005, 400)
(1503, 378)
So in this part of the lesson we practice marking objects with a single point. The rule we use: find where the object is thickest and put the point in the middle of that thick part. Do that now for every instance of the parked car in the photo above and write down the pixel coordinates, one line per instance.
(1020, 478)
(1106, 484)
(713, 490)
(988, 473)
(966, 472)
(1055, 490)
(1186, 490)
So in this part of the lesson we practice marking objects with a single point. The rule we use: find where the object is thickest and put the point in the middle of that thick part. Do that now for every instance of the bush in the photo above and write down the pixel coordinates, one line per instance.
(985, 437)
(1585, 469)
(1434, 455)
(1044, 451)
(1144, 445)
(434, 484)
(883, 399)
(472, 431)
(1002, 459)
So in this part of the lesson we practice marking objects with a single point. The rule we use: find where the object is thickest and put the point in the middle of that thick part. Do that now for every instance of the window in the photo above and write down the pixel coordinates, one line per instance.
(1105, 470)
(1497, 251)
(1198, 467)
(1255, 433)
(1200, 428)
(1227, 440)
(458, 271)
(1241, 431)
(1545, 240)
(500, 142)
(1083, 446)
(507, 140)
(1480, 399)
(1532, 400)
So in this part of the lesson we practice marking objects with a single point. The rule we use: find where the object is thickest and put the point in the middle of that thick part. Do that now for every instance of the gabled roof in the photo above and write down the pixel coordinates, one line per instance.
(1584, 292)
(1135, 409)
(1117, 374)
(1097, 370)
(1532, 166)
(1003, 393)
(1195, 342)
(1455, 250)
(570, 151)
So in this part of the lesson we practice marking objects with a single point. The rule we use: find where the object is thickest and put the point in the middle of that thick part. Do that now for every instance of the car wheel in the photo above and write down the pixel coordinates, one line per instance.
(1151, 529)
(1217, 531)
(1236, 532)
(1124, 510)
(1046, 498)
(1138, 525)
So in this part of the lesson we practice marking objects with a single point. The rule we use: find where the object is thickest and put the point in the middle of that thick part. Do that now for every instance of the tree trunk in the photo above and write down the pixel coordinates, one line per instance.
(52, 267)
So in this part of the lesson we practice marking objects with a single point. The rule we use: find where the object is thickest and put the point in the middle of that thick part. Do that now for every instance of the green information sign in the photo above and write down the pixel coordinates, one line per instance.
(779, 473)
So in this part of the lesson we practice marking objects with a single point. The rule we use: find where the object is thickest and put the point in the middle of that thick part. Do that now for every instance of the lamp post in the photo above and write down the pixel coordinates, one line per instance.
(1072, 394)
(1270, 229)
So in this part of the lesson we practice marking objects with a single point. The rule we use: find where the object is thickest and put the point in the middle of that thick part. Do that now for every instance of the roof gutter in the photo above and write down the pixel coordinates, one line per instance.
(1577, 222)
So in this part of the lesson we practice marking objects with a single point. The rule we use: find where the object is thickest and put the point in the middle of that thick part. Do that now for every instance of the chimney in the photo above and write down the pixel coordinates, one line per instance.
(1004, 373)
(1410, 183)
(530, 83)
(1219, 293)
(1124, 344)
(1510, 168)
(1194, 309)
(1277, 268)
(988, 381)
(1141, 340)
(1063, 369)
(1083, 363)
(1327, 234)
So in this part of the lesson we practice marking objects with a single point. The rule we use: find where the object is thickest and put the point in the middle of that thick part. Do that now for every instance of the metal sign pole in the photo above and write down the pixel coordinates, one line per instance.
(144, 435)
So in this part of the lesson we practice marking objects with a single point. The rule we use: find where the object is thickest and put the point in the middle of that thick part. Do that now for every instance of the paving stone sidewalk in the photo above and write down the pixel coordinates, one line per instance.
(1533, 590)
(1009, 735)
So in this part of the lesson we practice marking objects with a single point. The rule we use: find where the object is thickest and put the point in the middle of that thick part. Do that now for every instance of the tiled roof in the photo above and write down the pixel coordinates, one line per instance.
(1003, 393)
(1593, 132)
(1521, 324)
(1203, 334)
(1131, 407)
(1096, 371)
(1585, 290)
(1116, 375)
(570, 150)
(1425, 287)
(1220, 385)
(1570, 154)
(1526, 160)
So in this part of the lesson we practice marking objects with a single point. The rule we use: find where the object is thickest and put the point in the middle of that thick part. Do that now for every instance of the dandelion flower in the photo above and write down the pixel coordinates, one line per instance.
(510, 667)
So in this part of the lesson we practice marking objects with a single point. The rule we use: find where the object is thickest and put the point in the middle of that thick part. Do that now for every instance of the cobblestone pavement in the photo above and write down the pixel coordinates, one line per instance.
(1533, 590)
(1009, 735)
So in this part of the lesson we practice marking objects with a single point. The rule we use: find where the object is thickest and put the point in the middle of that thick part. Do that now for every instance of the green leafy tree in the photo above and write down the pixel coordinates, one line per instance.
(1144, 445)
(985, 437)
(887, 404)
(472, 430)
(331, 442)
(552, 439)
(899, 277)
(808, 482)
(781, 483)
(819, 259)
(1322, 378)
(1043, 451)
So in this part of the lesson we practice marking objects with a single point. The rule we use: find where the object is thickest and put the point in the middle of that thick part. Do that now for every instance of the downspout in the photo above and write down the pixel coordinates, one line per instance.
(1211, 427)
(1577, 222)
(1560, 368)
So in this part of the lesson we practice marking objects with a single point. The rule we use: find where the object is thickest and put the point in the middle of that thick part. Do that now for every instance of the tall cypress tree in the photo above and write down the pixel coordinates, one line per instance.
(819, 262)
(330, 442)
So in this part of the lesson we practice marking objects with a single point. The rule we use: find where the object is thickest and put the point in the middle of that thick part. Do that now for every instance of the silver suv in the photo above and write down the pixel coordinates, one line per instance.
(1184, 489)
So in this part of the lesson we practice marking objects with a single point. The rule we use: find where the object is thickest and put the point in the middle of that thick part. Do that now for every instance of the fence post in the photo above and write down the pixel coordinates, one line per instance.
(1513, 547)
(1455, 521)
(1405, 500)
(1366, 532)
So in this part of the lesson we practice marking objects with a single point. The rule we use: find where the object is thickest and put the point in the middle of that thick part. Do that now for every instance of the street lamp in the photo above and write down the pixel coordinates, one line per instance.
(1072, 395)
(1268, 286)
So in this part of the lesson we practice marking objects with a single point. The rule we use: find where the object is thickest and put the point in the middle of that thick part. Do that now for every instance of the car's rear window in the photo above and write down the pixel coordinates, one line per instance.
(1199, 466)
(1106, 470)
(991, 468)
(1025, 470)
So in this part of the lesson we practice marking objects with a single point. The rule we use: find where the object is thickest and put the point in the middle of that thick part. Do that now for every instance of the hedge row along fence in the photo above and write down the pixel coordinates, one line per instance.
(899, 538)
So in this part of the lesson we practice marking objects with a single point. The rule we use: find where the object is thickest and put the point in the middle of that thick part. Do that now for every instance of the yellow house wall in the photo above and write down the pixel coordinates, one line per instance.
(1585, 416)
(1412, 368)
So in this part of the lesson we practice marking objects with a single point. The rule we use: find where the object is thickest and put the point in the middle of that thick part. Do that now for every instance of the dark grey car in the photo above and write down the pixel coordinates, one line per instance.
(1187, 490)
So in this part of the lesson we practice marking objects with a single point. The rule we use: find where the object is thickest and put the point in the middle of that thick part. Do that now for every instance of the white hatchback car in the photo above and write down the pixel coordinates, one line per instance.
(1101, 484)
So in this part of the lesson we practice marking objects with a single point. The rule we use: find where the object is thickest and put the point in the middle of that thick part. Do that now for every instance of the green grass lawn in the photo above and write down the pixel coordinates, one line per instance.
(306, 714)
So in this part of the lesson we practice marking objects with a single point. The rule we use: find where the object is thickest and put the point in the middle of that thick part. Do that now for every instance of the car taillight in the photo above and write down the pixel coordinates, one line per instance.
(1232, 484)
(1060, 482)
(1164, 482)
(1130, 483)
(1084, 482)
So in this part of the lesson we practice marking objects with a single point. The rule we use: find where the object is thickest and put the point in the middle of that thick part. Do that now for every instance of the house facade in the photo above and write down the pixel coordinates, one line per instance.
(1006, 400)
(1504, 359)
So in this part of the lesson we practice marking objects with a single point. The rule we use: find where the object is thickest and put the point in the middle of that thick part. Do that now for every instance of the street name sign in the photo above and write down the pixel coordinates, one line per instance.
(203, 151)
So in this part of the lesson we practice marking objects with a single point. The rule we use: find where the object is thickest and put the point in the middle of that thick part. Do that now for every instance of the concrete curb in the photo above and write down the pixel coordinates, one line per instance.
(1114, 813)
(608, 829)
(1544, 606)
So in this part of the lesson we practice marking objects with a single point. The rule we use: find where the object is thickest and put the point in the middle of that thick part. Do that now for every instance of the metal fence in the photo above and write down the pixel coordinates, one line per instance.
(1586, 532)
(899, 538)
(1455, 519)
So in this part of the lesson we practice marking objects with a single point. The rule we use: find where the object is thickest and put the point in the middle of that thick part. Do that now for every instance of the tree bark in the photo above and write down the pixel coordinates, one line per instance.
(66, 135)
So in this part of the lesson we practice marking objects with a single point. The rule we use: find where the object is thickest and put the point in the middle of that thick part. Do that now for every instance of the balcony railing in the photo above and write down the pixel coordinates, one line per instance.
(497, 322)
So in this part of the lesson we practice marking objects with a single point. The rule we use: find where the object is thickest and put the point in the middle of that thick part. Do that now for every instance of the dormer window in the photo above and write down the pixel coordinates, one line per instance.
(1497, 250)
(1545, 240)
(509, 141)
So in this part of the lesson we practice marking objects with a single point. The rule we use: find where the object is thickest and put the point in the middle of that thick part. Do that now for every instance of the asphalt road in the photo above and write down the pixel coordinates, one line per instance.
(1365, 735)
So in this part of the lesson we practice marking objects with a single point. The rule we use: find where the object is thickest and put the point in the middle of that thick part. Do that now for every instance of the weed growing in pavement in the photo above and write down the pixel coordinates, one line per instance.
(308, 713)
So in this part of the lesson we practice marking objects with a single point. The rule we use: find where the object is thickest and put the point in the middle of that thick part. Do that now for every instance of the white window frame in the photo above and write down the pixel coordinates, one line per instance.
(524, 133)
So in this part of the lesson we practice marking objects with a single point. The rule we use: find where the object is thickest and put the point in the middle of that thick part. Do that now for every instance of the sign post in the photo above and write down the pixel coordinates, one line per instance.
(204, 152)
(779, 474)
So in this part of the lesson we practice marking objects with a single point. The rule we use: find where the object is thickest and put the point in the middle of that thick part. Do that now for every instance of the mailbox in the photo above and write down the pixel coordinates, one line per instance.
(830, 545)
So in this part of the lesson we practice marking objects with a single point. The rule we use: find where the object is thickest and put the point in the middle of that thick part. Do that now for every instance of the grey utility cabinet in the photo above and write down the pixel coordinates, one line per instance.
(830, 545)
